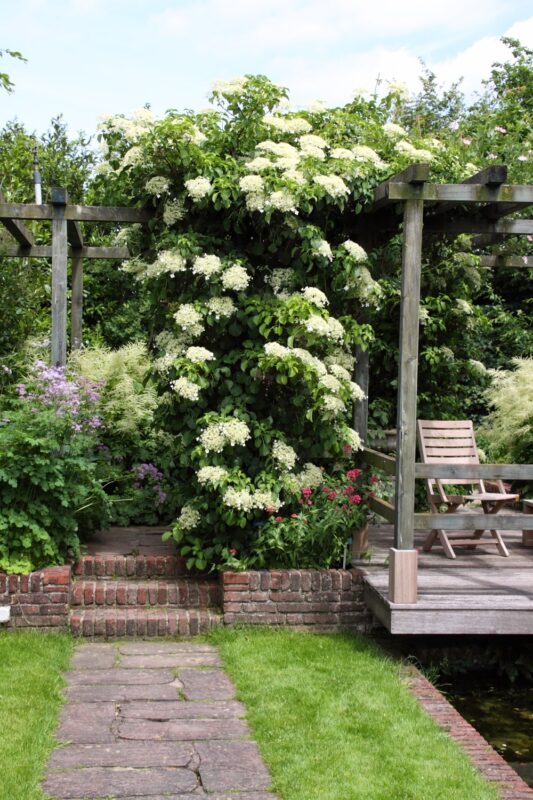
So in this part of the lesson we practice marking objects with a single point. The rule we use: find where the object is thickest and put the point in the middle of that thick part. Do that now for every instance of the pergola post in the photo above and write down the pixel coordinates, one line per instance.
(362, 378)
(76, 310)
(402, 585)
(59, 199)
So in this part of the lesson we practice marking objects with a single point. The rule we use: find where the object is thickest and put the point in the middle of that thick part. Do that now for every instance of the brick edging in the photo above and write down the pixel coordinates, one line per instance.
(490, 764)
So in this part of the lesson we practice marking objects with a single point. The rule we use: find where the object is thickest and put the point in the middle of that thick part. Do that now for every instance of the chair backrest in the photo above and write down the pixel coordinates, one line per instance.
(448, 442)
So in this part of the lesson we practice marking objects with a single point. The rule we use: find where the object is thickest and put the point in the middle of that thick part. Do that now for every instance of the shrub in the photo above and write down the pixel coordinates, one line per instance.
(508, 429)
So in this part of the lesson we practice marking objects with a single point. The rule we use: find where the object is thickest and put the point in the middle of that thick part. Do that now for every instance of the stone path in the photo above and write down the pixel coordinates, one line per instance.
(153, 720)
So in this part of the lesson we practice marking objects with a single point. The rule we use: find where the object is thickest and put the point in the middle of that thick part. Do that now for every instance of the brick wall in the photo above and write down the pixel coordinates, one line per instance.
(328, 599)
(38, 600)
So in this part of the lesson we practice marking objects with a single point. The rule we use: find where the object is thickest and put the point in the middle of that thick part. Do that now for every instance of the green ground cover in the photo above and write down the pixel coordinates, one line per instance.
(334, 721)
(30, 697)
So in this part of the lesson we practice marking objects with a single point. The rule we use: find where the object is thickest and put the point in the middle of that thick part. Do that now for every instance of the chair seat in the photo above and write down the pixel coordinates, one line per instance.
(492, 497)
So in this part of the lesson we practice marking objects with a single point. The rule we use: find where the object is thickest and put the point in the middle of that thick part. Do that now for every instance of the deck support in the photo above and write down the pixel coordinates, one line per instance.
(403, 570)
(59, 278)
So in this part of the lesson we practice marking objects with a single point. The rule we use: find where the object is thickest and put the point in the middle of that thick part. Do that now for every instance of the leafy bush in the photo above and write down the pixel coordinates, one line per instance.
(49, 489)
(508, 429)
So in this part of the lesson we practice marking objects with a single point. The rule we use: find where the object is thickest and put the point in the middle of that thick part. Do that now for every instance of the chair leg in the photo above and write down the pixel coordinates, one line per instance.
(500, 544)
(429, 541)
(448, 549)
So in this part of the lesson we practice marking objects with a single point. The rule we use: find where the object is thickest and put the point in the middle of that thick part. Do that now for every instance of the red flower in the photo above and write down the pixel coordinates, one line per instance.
(278, 519)
(232, 551)
(301, 502)
(344, 507)
(347, 449)
(374, 479)
(332, 495)
(355, 499)
(348, 490)
(325, 489)
(309, 502)
(294, 516)
(352, 474)
(307, 492)
(269, 510)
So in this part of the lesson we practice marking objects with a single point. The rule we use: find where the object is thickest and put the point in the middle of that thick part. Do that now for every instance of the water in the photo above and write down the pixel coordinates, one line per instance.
(502, 714)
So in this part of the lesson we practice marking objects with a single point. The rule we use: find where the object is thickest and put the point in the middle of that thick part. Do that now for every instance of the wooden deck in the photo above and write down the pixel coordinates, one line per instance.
(478, 593)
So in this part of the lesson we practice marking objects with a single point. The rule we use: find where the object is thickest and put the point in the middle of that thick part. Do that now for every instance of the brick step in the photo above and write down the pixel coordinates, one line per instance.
(188, 593)
(135, 621)
(120, 566)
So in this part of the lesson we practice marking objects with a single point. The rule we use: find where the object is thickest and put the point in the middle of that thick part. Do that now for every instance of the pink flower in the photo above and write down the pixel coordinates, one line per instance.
(347, 449)
(332, 495)
(269, 510)
(499, 129)
(454, 126)
(522, 158)
(374, 479)
(355, 499)
(344, 507)
(232, 551)
(278, 519)
(325, 489)
(309, 502)
(307, 492)
(301, 502)
(352, 474)
(465, 140)
(294, 516)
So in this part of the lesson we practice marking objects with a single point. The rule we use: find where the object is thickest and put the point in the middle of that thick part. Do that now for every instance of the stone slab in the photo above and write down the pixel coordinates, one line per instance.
(206, 684)
(120, 676)
(97, 782)
(183, 730)
(200, 793)
(93, 657)
(122, 754)
(169, 660)
(182, 710)
(234, 778)
(116, 693)
(244, 754)
(85, 723)
(151, 648)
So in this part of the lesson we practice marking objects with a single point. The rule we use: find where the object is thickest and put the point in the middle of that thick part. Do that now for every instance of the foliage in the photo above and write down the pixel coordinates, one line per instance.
(129, 439)
(5, 81)
(31, 667)
(508, 428)
(48, 483)
(334, 720)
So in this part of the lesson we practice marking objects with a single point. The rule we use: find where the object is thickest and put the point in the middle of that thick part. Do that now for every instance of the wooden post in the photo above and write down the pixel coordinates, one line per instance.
(403, 569)
(408, 374)
(362, 377)
(76, 311)
(59, 278)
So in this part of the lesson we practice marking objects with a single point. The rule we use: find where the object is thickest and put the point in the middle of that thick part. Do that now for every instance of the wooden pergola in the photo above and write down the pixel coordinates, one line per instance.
(67, 242)
(481, 205)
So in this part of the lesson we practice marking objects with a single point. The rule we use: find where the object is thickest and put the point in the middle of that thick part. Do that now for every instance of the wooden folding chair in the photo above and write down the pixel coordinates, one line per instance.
(453, 442)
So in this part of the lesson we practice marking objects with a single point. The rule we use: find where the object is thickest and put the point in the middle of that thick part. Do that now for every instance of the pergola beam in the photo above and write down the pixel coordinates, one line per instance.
(493, 176)
(20, 211)
(17, 229)
(74, 234)
(45, 251)
(465, 224)
(507, 262)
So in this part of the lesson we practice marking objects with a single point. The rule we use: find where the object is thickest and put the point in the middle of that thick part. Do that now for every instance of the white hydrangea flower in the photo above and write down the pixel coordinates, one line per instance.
(307, 358)
(287, 124)
(287, 162)
(132, 157)
(366, 154)
(315, 296)
(313, 140)
(212, 439)
(311, 476)
(221, 307)
(316, 107)
(281, 149)
(436, 144)
(332, 185)
(340, 357)
(464, 306)
(241, 499)
(174, 211)
(312, 151)
(400, 88)
(355, 250)
(355, 391)
(199, 355)
(189, 319)
(264, 499)
(324, 250)
(235, 278)
(423, 315)
(478, 366)
(407, 149)
(189, 518)
(282, 201)
(447, 353)
(258, 164)
(276, 349)
(231, 87)
(167, 261)
(198, 188)
(157, 185)
(255, 201)
(251, 183)
(368, 288)
(294, 175)
(352, 438)
(206, 265)
(284, 455)
(280, 277)
(195, 136)
(394, 131)
(333, 405)
(340, 372)
(330, 383)
(342, 153)
(235, 431)
(186, 389)
(211, 475)
(331, 328)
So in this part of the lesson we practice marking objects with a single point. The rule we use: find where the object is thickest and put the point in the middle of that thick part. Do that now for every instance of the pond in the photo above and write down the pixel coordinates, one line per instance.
(502, 714)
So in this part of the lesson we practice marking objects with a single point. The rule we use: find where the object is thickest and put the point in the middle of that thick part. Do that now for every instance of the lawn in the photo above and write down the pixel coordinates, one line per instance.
(335, 721)
(30, 697)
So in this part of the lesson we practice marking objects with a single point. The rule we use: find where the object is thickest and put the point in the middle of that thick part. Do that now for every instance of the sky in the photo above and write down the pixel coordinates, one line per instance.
(90, 57)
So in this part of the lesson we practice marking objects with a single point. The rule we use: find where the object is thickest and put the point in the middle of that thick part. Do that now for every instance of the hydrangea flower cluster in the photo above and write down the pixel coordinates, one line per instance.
(235, 278)
(284, 455)
(230, 432)
(198, 188)
(211, 475)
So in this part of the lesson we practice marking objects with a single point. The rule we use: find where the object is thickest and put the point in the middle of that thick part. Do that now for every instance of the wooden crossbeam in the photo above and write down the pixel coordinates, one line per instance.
(74, 234)
(519, 194)
(470, 522)
(382, 507)
(492, 176)
(17, 229)
(45, 251)
(523, 472)
(505, 227)
(414, 175)
(20, 211)
(514, 262)
(379, 460)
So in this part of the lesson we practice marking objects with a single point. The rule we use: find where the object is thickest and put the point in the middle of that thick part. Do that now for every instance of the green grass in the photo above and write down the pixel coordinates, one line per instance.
(30, 699)
(334, 720)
